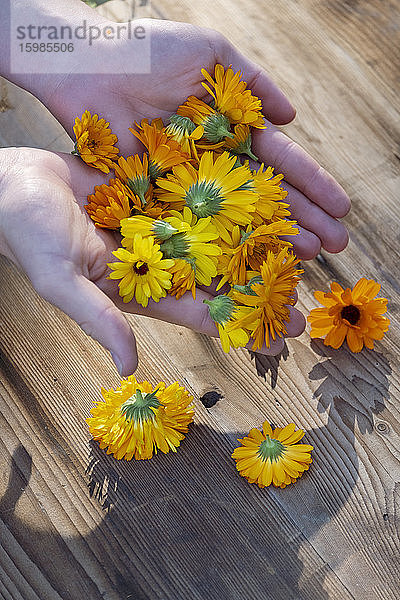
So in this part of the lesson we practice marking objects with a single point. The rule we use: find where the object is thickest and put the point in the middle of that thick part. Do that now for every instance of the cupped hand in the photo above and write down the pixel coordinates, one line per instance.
(178, 52)
(46, 231)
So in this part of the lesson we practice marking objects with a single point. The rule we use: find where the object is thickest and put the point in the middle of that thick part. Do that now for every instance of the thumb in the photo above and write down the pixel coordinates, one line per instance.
(95, 313)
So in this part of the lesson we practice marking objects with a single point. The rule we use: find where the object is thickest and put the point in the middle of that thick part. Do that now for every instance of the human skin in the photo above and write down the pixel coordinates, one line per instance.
(52, 188)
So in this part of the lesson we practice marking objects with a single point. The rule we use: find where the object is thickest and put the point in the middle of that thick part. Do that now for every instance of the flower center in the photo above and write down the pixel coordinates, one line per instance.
(270, 449)
(351, 313)
(204, 199)
(139, 406)
(140, 267)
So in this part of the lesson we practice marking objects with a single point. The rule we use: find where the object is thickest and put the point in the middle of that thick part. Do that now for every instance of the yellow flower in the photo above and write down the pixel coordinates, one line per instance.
(143, 271)
(183, 279)
(241, 143)
(181, 236)
(215, 125)
(249, 249)
(269, 295)
(269, 206)
(232, 98)
(136, 421)
(217, 189)
(135, 174)
(109, 204)
(273, 456)
(95, 143)
(225, 314)
(184, 131)
(164, 152)
(354, 315)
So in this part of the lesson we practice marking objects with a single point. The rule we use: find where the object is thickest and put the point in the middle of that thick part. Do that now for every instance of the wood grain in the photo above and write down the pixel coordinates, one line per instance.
(76, 523)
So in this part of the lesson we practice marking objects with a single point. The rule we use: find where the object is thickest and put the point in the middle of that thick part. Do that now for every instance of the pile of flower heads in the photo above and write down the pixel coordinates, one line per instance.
(192, 208)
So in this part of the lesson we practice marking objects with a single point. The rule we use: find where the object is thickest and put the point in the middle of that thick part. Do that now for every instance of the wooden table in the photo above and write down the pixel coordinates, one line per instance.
(75, 523)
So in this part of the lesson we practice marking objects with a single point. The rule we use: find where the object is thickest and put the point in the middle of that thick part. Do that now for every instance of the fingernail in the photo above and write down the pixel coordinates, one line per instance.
(117, 362)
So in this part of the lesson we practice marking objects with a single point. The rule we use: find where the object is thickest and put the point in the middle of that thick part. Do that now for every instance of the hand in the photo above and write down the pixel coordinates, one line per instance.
(178, 52)
(46, 231)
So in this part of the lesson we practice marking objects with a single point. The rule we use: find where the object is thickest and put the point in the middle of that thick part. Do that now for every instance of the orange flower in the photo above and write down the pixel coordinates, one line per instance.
(95, 143)
(109, 204)
(164, 152)
(354, 315)
(232, 98)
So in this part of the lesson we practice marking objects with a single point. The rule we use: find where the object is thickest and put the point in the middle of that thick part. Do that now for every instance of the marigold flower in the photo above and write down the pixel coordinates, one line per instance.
(225, 314)
(143, 271)
(109, 204)
(136, 420)
(216, 126)
(352, 314)
(241, 143)
(181, 236)
(273, 456)
(218, 188)
(249, 248)
(232, 98)
(183, 278)
(134, 172)
(269, 205)
(269, 296)
(95, 143)
(186, 133)
(164, 152)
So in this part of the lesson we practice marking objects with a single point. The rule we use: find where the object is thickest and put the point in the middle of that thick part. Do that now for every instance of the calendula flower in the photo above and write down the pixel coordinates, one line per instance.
(95, 142)
(164, 152)
(270, 205)
(241, 142)
(143, 271)
(232, 98)
(109, 204)
(269, 296)
(217, 189)
(216, 126)
(249, 249)
(181, 235)
(273, 455)
(134, 172)
(225, 314)
(185, 132)
(183, 278)
(352, 314)
(136, 420)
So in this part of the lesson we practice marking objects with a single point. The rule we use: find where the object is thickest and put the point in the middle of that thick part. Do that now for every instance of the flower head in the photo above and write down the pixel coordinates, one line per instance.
(109, 204)
(134, 172)
(249, 250)
(181, 236)
(241, 143)
(217, 189)
(352, 314)
(269, 205)
(268, 297)
(273, 455)
(164, 152)
(136, 420)
(216, 126)
(185, 132)
(143, 271)
(95, 143)
(232, 98)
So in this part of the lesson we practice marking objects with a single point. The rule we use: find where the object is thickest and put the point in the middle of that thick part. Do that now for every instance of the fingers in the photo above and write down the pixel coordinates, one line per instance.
(94, 312)
(194, 314)
(316, 227)
(276, 107)
(301, 171)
